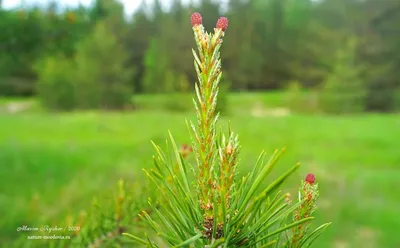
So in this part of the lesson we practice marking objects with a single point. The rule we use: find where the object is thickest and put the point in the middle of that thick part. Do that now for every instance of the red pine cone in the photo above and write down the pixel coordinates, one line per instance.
(310, 178)
(222, 23)
(196, 19)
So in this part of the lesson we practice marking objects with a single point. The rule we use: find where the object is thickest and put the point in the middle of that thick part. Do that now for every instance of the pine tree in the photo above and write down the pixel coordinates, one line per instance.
(103, 81)
(343, 90)
(157, 75)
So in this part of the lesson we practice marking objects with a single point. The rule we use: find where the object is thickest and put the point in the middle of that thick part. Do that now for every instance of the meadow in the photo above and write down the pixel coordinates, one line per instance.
(53, 164)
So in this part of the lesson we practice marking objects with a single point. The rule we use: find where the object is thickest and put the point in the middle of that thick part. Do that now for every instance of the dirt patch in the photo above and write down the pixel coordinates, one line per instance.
(259, 110)
(368, 237)
(341, 244)
(364, 237)
(15, 107)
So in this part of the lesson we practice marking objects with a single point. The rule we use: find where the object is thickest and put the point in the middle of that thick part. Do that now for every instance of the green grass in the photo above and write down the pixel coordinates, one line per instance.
(240, 102)
(64, 160)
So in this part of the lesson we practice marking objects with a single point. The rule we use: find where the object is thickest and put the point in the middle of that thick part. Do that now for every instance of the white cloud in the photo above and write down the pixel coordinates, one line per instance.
(130, 5)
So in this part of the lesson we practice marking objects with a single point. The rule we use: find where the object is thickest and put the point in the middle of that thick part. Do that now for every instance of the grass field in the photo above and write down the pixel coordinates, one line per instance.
(61, 161)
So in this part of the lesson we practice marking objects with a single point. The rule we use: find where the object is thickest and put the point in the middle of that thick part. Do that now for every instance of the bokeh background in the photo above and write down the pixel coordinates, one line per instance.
(84, 88)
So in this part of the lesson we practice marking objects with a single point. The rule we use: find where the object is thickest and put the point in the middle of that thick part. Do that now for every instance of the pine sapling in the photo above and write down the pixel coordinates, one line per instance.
(216, 208)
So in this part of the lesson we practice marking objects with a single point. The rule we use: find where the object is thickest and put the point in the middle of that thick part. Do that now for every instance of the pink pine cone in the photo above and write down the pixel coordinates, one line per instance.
(196, 19)
(310, 178)
(222, 23)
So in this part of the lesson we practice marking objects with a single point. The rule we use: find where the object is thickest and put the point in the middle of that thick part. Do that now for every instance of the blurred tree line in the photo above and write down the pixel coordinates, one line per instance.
(96, 57)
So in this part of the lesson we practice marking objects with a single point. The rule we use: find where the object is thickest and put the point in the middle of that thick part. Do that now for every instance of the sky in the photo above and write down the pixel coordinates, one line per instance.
(130, 5)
